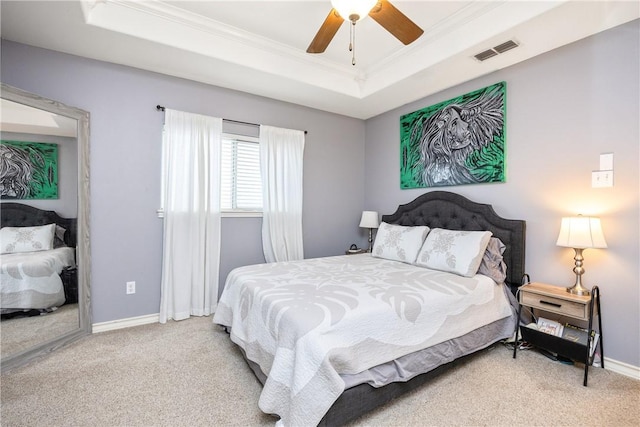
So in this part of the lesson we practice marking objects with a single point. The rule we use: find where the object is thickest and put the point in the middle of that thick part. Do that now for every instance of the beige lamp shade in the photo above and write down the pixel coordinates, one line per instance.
(581, 232)
(369, 219)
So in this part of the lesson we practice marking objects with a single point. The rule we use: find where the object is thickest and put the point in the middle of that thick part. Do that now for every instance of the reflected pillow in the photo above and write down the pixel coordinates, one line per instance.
(454, 251)
(26, 239)
(399, 243)
(492, 264)
(58, 238)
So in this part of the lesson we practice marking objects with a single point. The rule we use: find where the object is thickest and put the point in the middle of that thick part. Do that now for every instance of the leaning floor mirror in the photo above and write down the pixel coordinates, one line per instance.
(44, 235)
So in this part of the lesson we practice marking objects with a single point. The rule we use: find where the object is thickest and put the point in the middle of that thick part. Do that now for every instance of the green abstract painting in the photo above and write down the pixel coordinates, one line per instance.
(28, 170)
(455, 142)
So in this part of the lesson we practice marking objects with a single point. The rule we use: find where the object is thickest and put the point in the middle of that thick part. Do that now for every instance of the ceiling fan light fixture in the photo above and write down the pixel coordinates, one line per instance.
(353, 10)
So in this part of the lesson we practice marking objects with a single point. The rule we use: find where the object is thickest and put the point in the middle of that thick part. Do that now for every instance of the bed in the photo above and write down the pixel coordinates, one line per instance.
(333, 338)
(38, 259)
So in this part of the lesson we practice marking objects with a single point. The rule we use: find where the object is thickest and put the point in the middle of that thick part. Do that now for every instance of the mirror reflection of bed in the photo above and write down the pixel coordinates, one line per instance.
(53, 309)
(38, 280)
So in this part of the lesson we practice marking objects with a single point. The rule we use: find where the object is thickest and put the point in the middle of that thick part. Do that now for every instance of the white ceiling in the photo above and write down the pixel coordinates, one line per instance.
(259, 46)
(24, 119)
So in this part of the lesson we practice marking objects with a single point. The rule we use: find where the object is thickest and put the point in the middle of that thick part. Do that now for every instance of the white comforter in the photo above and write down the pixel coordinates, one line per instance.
(307, 322)
(31, 280)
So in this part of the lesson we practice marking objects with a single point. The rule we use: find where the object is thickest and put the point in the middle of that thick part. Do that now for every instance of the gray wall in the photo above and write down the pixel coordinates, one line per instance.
(66, 205)
(564, 109)
(125, 142)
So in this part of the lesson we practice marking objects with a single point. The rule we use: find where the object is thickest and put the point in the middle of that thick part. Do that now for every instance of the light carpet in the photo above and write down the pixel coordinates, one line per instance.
(21, 333)
(189, 373)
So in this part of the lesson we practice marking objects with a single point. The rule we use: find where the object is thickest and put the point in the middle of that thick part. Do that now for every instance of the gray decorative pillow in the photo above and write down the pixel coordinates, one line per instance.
(399, 243)
(26, 239)
(458, 252)
(58, 238)
(492, 264)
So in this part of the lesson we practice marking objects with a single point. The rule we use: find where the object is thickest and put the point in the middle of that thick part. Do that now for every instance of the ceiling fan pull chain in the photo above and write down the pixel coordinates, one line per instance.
(352, 42)
(351, 27)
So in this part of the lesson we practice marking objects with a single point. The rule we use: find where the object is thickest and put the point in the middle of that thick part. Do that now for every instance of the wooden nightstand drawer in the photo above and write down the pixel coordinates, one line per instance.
(555, 305)
(555, 299)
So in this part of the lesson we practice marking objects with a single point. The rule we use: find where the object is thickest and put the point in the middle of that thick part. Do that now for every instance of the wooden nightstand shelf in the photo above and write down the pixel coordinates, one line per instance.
(558, 302)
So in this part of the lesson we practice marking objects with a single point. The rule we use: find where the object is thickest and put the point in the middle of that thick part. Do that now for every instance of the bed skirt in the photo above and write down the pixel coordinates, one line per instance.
(362, 398)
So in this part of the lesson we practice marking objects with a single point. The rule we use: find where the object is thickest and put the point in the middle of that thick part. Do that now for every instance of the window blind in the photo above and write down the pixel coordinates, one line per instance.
(241, 184)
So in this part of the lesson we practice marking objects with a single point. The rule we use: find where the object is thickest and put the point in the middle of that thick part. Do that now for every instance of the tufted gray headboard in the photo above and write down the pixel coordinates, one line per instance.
(19, 215)
(442, 209)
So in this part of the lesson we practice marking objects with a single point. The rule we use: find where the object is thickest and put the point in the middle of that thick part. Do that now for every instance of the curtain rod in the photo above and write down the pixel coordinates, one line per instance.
(161, 108)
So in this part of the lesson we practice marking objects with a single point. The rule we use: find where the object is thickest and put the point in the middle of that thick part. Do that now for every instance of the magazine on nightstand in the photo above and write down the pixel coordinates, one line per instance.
(550, 326)
(581, 336)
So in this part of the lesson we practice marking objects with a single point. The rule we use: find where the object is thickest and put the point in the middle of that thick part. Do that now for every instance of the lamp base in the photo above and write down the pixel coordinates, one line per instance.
(575, 290)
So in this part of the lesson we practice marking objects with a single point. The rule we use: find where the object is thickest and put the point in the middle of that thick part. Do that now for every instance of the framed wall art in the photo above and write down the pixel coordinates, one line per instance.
(455, 142)
(28, 170)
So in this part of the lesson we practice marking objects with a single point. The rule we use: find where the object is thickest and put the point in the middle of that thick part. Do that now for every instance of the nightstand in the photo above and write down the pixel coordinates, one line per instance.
(556, 302)
(69, 276)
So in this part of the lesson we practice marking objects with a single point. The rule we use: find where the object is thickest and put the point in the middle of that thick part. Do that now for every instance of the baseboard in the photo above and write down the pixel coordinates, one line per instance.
(622, 368)
(112, 325)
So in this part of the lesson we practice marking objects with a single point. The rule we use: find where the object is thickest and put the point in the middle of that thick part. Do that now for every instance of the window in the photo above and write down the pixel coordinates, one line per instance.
(241, 184)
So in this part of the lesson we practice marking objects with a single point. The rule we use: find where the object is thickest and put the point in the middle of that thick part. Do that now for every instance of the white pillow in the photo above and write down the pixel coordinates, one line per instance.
(458, 252)
(26, 239)
(399, 243)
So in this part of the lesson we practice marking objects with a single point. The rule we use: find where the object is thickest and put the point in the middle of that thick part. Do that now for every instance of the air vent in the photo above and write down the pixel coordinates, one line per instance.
(486, 54)
(501, 48)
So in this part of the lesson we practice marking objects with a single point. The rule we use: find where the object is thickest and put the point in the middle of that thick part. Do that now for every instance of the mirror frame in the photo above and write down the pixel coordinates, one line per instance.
(83, 253)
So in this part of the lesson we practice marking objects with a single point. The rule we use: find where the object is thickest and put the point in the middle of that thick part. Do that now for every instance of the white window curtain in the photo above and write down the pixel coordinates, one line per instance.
(191, 205)
(281, 160)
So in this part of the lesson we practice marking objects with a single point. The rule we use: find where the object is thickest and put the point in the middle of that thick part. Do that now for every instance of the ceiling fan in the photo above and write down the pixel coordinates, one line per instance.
(382, 11)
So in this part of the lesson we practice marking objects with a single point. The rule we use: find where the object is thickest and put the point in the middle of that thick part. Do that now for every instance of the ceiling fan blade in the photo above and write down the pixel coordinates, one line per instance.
(326, 32)
(395, 22)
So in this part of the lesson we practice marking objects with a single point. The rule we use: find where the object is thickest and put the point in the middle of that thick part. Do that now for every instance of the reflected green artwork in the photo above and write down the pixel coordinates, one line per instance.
(28, 170)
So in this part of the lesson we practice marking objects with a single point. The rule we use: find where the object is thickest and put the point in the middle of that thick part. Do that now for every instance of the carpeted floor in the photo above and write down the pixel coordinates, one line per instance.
(21, 333)
(188, 373)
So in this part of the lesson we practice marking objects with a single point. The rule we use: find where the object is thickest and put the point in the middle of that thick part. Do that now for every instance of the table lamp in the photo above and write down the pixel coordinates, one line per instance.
(369, 220)
(579, 233)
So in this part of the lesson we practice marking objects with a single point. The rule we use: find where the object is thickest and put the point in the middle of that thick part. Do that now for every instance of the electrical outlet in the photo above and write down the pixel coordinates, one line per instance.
(131, 288)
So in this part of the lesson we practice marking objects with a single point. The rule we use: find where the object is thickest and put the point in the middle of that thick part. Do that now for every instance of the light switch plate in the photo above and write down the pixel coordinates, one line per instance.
(606, 162)
(602, 179)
